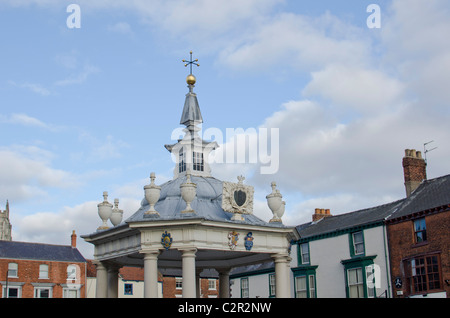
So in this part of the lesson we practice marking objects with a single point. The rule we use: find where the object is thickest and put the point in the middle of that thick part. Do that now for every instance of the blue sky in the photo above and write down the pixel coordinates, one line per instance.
(88, 110)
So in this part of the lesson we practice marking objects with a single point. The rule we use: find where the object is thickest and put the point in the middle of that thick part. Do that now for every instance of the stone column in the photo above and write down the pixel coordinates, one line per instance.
(224, 283)
(282, 283)
(198, 281)
(101, 288)
(189, 277)
(150, 274)
(113, 281)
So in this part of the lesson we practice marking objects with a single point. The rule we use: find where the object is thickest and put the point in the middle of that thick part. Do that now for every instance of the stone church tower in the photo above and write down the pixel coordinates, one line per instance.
(5, 225)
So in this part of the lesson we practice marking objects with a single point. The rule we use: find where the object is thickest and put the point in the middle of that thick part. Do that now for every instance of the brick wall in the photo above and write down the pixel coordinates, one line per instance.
(170, 290)
(28, 273)
(414, 170)
(402, 246)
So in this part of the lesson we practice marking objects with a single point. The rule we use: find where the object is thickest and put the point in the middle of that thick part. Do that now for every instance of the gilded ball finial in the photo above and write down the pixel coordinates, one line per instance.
(191, 79)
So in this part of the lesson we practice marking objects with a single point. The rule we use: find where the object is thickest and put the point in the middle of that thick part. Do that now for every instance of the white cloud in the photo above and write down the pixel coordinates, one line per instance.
(79, 77)
(292, 40)
(99, 150)
(121, 27)
(57, 227)
(23, 119)
(26, 173)
(364, 90)
(342, 161)
(333, 159)
(33, 87)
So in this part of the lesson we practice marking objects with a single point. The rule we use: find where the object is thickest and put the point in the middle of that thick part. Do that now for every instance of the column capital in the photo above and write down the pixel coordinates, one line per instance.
(99, 265)
(223, 270)
(188, 251)
(150, 251)
(281, 258)
(148, 254)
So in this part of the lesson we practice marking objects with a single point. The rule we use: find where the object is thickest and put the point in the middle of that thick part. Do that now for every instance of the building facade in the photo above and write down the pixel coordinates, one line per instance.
(34, 270)
(342, 256)
(419, 236)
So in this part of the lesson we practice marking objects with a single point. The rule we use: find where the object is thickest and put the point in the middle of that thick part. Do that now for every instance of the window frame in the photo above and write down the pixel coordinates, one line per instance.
(272, 286)
(197, 161)
(212, 284)
(364, 263)
(309, 273)
(39, 289)
(178, 283)
(44, 268)
(181, 160)
(128, 289)
(425, 273)
(302, 253)
(67, 290)
(422, 232)
(359, 283)
(245, 288)
(13, 270)
(353, 244)
(11, 287)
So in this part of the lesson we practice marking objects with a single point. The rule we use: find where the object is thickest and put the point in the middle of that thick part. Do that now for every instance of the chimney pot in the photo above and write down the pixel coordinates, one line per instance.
(320, 214)
(414, 170)
(73, 238)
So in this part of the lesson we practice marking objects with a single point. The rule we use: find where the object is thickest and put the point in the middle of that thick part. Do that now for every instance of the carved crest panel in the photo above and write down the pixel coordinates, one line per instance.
(237, 197)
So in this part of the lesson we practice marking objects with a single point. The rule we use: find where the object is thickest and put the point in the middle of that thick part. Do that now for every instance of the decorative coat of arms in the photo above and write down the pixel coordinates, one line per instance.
(237, 197)
(233, 238)
(166, 240)
(249, 241)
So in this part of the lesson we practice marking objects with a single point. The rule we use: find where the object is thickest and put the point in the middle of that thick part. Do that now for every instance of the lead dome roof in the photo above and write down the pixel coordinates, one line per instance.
(207, 204)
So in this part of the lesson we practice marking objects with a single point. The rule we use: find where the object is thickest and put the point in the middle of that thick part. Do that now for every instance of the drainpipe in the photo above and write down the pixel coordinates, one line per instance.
(387, 262)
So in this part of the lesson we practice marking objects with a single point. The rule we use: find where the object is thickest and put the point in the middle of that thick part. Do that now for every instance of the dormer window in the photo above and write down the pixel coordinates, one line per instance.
(198, 161)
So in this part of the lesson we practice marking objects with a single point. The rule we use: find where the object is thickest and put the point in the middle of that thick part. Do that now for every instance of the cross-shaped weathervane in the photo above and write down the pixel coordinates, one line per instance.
(190, 62)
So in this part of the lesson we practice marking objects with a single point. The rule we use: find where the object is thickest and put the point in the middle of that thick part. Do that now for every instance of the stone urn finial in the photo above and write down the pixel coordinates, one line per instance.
(104, 211)
(276, 205)
(117, 214)
(188, 193)
(152, 194)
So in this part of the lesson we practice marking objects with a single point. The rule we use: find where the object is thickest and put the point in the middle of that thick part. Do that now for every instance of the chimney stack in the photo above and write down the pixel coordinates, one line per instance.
(320, 214)
(414, 170)
(73, 239)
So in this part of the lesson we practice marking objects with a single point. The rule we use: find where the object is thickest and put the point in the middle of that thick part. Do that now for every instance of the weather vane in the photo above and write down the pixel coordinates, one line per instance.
(191, 62)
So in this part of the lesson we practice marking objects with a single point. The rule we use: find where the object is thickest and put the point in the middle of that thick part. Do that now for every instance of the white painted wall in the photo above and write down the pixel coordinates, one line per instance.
(328, 253)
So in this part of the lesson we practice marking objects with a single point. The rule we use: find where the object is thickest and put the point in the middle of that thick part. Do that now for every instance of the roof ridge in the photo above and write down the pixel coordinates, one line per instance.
(366, 209)
(37, 243)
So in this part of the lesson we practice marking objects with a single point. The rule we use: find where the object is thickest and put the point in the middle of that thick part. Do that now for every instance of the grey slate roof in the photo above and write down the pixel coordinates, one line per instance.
(348, 220)
(38, 251)
(430, 194)
(256, 268)
(207, 204)
(433, 193)
(191, 110)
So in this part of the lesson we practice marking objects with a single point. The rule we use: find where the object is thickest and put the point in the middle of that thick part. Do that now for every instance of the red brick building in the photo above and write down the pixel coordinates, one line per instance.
(418, 234)
(173, 284)
(34, 270)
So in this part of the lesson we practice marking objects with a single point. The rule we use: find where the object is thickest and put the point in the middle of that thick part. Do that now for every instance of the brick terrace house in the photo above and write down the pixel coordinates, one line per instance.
(35, 270)
(418, 234)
